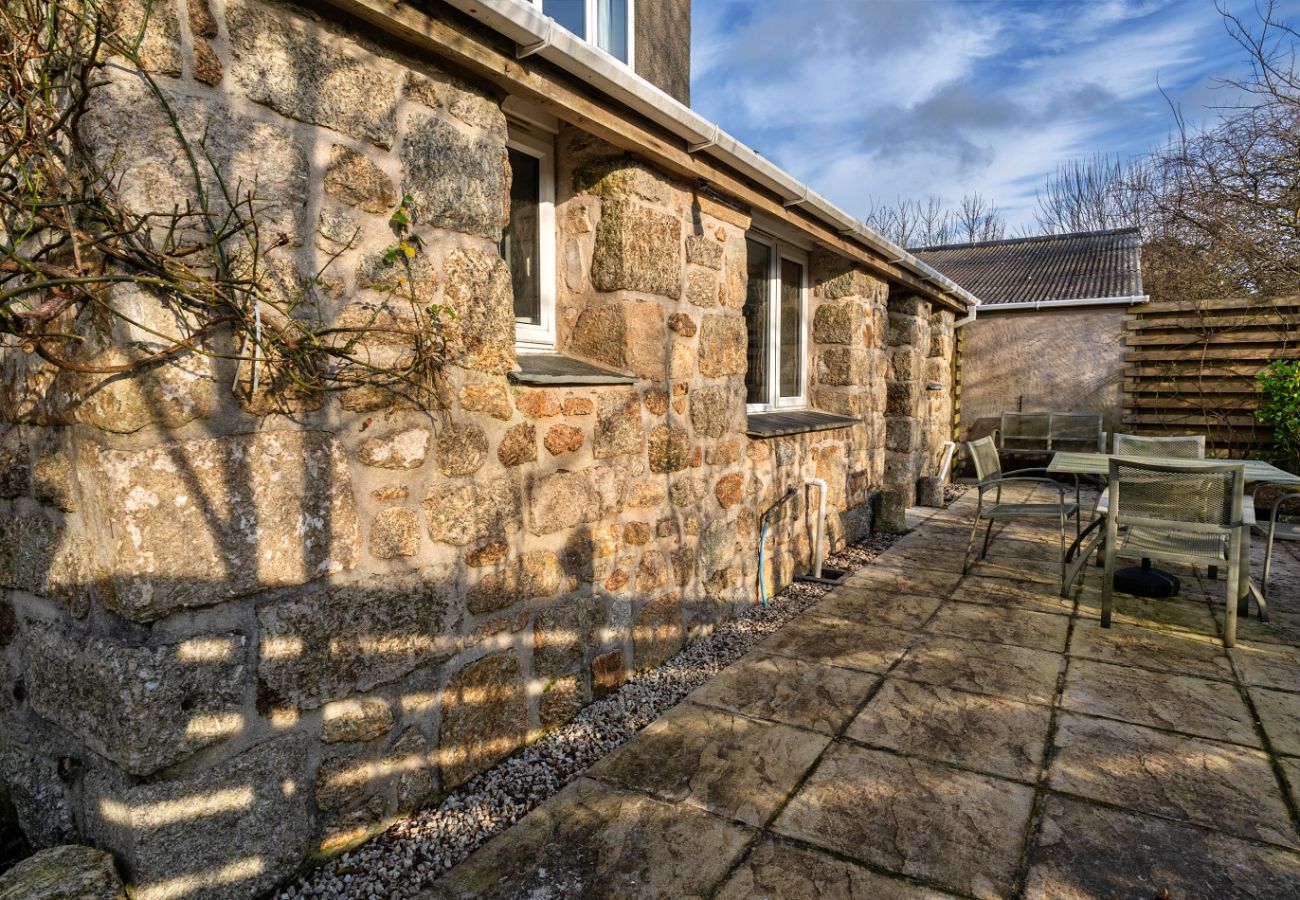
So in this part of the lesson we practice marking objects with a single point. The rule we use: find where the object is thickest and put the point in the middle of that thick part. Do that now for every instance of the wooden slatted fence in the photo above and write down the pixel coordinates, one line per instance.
(1190, 366)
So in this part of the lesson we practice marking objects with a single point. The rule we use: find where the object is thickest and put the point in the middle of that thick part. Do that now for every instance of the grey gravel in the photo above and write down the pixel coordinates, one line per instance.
(410, 856)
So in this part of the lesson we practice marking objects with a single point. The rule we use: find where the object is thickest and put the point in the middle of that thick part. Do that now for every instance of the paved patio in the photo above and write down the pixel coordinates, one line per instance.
(919, 734)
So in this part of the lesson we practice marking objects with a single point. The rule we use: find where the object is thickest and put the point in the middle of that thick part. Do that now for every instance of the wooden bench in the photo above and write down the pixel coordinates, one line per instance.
(1044, 433)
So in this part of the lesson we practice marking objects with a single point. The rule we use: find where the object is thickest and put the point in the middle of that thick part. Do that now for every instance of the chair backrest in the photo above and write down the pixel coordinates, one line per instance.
(1188, 446)
(984, 454)
(1084, 429)
(1206, 497)
(1025, 431)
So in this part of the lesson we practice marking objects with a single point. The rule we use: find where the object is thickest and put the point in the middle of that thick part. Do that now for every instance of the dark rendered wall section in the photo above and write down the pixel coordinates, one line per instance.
(663, 45)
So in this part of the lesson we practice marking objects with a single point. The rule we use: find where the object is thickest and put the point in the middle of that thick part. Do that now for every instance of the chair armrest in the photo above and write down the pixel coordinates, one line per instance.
(996, 434)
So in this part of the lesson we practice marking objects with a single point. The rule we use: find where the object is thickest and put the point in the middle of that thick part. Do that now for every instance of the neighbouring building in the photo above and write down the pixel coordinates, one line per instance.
(239, 631)
(1049, 335)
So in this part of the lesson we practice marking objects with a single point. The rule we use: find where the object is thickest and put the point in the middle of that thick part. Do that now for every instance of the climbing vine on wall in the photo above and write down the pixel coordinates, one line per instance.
(74, 240)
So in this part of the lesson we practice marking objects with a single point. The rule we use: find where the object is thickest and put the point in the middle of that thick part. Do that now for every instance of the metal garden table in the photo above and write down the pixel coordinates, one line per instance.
(1098, 464)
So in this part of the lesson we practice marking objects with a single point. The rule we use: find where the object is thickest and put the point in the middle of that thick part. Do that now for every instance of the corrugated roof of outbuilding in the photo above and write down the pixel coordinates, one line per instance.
(1085, 265)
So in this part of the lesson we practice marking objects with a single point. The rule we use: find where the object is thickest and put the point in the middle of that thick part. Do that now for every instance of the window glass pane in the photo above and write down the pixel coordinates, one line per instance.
(757, 292)
(791, 359)
(519, 240)
(611, 27)
(570, 14)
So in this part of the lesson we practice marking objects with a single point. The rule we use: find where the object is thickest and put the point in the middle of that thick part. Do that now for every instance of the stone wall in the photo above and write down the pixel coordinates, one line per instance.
(235, 636)
(1068, 360)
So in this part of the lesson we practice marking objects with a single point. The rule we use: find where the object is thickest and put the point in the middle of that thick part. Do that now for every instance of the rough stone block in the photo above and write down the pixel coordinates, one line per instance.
(607, 674)
(394, 533)
(729, 490)
(484, 717)
(837, 323)
(561, 501)
(238, 829)
(637, 249)
(563, 439)
(479, 292)
(160, 44)
(463, 513)
(657, 634)
(197, 522)
(352, 178)
(844, 366)
(280, 61)
(492, 399)
(669, 448)
(70, 872)
(618, 424)
(39, 556)
(904, 330)
(723, 342)
(710, 413)
(561, 634)
(535, 574)
(462, 449)
(901, 398)
(141, 707)
(902, 435)
(519, 445)
(336, 641)
(561, 700)
(355, 719)
(406, 448)
(702, 288)
(703, 250)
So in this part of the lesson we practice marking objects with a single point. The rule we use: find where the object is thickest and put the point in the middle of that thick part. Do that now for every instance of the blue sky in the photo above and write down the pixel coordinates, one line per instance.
(871, 99)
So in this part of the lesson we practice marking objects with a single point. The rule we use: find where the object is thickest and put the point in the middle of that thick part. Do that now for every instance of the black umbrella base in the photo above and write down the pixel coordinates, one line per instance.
(1144, 581)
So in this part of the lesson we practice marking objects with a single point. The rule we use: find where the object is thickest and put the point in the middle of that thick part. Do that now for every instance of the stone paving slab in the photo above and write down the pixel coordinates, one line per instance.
(1012, 594)
(788, 690)
(1006, 626)
(717, 760)
(975, 731)
(1179, 614)
(875, 607)
(838, 642)
(1182, 653)
(1001, 670)
(1268, 665)
(1193, 780)
(955, 829)
(1212, 709)
(1084, 852)
(591, 841)
(1279, 712)
(776, 870)
(886, 575)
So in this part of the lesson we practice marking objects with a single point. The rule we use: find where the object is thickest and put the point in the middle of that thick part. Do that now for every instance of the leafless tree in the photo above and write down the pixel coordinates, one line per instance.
(1092, 194)
(928, 222)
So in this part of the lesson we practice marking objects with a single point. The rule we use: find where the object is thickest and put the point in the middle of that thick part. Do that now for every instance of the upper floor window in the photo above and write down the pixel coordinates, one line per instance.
(608, 24)
(528, 241)
(776, 307)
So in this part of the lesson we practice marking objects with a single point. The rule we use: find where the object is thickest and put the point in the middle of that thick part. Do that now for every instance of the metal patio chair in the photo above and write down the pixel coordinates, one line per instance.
(1188, 446)
(1174, 513)
(1287, 531)
(988, 468)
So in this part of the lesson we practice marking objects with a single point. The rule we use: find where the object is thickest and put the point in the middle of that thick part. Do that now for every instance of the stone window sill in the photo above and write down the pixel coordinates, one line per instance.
(552, 369)
(797, 421)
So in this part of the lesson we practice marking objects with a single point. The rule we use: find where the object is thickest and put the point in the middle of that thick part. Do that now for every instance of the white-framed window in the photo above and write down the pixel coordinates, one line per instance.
(528, 241)
(607, 24)
(776, 319)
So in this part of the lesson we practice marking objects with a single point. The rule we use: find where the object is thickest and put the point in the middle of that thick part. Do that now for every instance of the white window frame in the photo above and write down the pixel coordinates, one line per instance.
(783, 251)
(589, 21)
(542, 148)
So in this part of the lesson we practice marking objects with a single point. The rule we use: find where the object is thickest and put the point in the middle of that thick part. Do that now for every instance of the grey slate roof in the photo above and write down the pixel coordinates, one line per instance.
(1084, 265)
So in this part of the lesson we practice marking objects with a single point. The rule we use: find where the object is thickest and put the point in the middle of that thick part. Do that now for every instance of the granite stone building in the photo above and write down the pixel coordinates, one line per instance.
(239, 631)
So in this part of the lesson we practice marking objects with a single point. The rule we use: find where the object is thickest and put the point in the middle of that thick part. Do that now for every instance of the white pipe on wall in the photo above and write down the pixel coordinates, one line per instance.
(821, 524)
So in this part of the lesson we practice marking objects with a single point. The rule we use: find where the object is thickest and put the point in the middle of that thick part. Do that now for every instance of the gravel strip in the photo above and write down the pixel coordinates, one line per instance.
(412, 854)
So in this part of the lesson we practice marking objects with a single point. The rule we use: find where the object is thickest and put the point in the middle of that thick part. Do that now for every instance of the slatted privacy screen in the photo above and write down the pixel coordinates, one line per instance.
(1190, 366)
